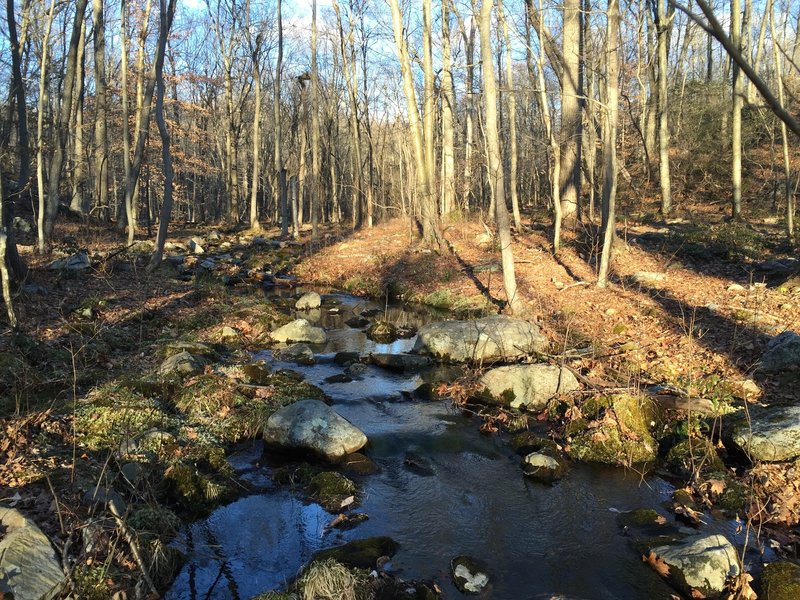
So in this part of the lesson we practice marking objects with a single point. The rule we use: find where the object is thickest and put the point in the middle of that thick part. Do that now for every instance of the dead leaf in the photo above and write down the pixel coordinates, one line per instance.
(658, 564)
(697, 594)
(661, 520)
(348, 501)
(716, 486)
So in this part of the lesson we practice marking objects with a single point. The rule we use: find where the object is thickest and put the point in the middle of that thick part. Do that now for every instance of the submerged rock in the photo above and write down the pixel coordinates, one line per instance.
(468, 575)
(783, 353)
(361, 554)
(702, 563)
(543, 467)
(529, 386)
(489, 339)
(299, 353)
(28, 565)
(313, 426)
(299, 330)
(400, 362)
(772, 434)
(332, 490)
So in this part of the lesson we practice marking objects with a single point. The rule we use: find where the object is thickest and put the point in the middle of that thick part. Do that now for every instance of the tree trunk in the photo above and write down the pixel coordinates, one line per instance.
(78, 197)
(101, 112)
(495, 164)
(663, 33)
(167, 13)
(40, 220)
(283, 200)
(431, 233)
(787, 173)
(255, 52)
(571, 117)
(737, 97)
(316, 187)
(448, 108)
(610, 140)
(511, 98)
(63, 121)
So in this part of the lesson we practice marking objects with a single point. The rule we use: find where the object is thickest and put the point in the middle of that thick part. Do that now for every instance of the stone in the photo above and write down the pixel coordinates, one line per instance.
(229, 334)
(528, 386)
(182, 364)
(614, 430)
(309, 301)
(313, 426)
(28, 564)
(356, 370)
(357, 322)
(490, 339)
(360, 554)
(781, 581)
(468, 575)
(543, 467)
(382, 332)
(196, 245)
(77, 262)
(299, 353)
(214, 236)
(648, 277)
(300, 330)
(400, 362)
(736, 287)
(194, 348)
(702, 563)
(783, 353)
(772, 434)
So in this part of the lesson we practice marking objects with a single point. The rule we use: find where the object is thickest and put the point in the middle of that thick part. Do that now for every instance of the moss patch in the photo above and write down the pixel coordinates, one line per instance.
(781, 581)
(362, 554)
(330, 489)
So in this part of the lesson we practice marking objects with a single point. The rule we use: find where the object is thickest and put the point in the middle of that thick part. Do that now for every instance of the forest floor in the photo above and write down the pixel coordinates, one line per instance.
(690, 307)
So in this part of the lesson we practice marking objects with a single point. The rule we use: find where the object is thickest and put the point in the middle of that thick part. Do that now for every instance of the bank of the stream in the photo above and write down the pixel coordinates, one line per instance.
(179, 380)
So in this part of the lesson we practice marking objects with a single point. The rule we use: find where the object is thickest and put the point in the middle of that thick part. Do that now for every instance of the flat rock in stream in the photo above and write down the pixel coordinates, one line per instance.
(29, 569)
(400, 362)
(469, 575)
(490, 339)
(300, 330)
(529, 386)
(313, 426)
(309, 301)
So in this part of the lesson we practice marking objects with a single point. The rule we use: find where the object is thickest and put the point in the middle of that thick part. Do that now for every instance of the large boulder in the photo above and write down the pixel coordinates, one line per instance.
(702, 563)
(399, 362)
(783, 353)
(529, 386)
(29, 569)
(490, 339)
(771, 434)
(300, 330)
(313, 426)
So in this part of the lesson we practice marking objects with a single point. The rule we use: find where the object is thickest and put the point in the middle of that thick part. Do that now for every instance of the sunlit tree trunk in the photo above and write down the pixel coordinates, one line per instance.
(78, 197)
(663, 32)
(737, 93)
(428, 99)
(283, 199)
(511, 99)
(41, 241)
(571, 117)
(101, 118)
(448, 108)
(255, 52)
(316, 187)
(495, 164)
(610, 140)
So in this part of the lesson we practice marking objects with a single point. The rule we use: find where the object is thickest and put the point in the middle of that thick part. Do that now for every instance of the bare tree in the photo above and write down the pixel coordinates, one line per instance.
(571, 113)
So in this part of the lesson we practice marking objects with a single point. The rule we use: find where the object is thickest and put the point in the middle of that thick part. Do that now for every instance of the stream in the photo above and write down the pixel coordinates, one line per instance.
(537, 541)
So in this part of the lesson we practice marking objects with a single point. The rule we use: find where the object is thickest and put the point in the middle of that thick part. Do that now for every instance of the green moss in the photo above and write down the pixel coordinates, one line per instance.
(527, 442)
(694, 455)
(331, 580)
(193, 491)
(258, 373)
(362, 554)
(91, 583)
(781, 581)
(619, 432)
(330, 489)
(155, 521)
(114, 412)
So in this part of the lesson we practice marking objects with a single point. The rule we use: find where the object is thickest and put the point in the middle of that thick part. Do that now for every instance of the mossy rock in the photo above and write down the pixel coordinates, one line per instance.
(257, 373)
(781, 581)
(526, 442)
(619, 432)
(359, 464)
(330, 490)
(362, 554)
(382, 332)
(734, 496)
(155, 521)
(301, 474)
(163, 562)
(193, 348)
(114, 412)
(693, 455)
(193, 492)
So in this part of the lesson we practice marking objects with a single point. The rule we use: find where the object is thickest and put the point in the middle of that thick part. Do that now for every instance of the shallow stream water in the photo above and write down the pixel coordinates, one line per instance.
(537, 541)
